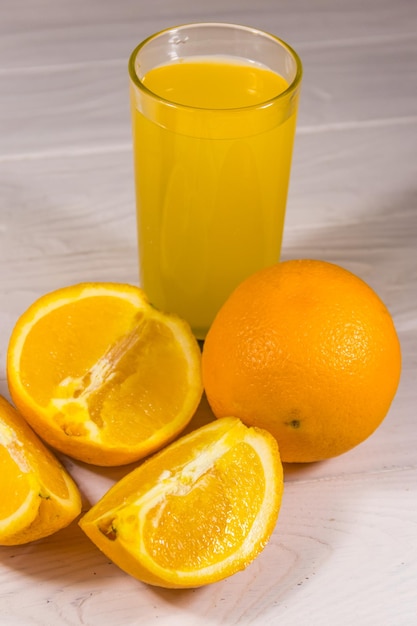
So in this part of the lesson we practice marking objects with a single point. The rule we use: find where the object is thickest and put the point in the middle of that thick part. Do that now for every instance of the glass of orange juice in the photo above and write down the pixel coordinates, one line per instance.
(213, 113)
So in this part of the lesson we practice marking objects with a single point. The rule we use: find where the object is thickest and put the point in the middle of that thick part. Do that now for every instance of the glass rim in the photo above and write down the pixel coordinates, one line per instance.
(249, 29)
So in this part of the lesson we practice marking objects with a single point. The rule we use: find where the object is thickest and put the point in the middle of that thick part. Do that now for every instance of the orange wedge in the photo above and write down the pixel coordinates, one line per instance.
(196, 512)
(101, 375)
(38, 497)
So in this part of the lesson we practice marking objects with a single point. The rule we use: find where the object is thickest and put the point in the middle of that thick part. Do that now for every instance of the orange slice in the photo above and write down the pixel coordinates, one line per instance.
(101, 375)
(38, 497)
(196, 512)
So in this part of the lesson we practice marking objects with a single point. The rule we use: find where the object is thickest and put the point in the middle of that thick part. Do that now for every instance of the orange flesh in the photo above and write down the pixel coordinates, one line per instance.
(15, 488)
(212, 519)
(122, 387)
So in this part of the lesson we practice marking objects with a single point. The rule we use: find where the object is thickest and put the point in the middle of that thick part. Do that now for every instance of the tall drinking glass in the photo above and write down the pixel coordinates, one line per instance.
(213, 112)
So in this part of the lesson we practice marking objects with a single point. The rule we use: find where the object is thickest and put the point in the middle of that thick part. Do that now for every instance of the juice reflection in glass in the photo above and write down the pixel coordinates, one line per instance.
(214, 111)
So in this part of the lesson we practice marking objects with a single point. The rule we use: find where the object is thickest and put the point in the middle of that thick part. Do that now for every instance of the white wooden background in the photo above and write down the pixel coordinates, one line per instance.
(345, 548)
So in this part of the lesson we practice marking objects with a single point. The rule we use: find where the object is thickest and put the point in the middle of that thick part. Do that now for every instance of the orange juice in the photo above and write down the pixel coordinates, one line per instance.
(212, 161)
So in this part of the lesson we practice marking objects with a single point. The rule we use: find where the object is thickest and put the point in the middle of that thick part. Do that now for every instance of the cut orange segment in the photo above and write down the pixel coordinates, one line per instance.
(196, 512)
(38, 497)
(101, 375)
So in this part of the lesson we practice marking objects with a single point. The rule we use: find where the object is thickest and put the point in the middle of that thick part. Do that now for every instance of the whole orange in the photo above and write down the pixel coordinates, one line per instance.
(306, 350)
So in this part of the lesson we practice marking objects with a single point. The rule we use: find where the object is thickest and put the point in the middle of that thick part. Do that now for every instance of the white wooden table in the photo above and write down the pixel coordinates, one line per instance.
(345, 548)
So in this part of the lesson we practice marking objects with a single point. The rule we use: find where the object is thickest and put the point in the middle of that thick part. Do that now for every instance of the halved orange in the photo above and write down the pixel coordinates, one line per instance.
(38, 497)
(197, 511)
(101, 375)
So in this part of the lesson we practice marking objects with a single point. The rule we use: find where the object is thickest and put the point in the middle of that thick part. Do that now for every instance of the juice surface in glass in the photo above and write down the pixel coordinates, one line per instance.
(211, 180)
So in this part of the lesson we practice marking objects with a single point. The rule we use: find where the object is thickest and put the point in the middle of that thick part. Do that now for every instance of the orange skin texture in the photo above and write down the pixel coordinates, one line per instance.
(308, 351)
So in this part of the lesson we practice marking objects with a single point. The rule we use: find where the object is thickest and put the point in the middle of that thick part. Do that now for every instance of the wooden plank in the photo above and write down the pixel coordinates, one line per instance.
(361, 528)
(55, 109)
(344, 550)
(64, 33)
(79, 224)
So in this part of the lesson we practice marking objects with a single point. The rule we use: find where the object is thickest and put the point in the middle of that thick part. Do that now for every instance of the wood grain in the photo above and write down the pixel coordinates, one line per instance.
(345, 547)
